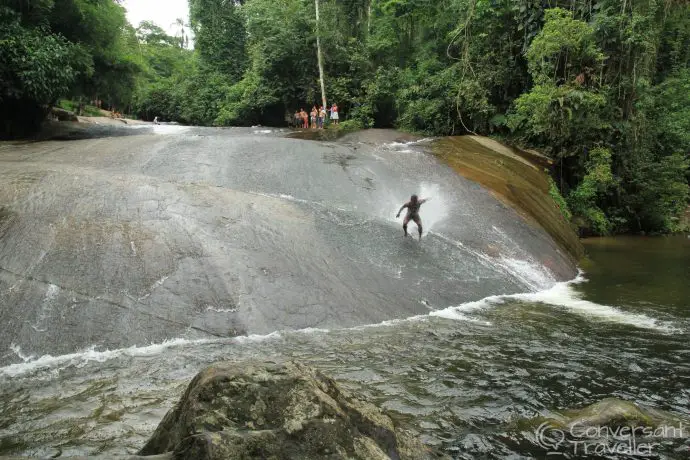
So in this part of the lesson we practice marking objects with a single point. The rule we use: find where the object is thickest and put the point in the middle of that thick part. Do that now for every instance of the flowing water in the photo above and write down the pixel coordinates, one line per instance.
(480, 325)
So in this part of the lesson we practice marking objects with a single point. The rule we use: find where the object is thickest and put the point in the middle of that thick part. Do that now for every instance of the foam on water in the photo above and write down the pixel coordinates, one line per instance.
(313, 330)
(81, 358)
(403, 147)
(460, 312)
(565, 296)
(161, 129)
(169, 129)
(252, 338)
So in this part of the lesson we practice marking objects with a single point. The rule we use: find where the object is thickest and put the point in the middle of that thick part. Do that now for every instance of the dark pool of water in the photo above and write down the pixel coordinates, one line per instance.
(640, 273)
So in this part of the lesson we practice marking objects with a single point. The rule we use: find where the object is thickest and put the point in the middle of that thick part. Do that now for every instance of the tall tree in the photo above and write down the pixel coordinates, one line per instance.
(320, 55)
(220, 35)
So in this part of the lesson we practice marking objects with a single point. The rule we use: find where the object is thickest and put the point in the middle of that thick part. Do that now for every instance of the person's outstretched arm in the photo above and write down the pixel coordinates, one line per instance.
(401, 208)
(424, 200)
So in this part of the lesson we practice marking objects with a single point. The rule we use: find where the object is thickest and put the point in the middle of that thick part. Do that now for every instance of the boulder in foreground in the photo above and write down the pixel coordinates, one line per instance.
(278, 411)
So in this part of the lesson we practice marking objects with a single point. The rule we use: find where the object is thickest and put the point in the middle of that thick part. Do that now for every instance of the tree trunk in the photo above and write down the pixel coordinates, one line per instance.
(320, 58)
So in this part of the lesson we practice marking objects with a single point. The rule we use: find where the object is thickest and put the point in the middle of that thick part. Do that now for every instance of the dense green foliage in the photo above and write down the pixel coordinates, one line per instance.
(31, 72)
(601, 86)
(84, 49)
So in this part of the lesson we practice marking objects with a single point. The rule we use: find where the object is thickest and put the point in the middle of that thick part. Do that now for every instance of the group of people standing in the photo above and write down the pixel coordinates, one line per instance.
(317, 118)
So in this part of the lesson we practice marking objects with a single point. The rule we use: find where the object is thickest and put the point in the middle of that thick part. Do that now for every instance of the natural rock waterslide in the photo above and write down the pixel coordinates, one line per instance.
(130, 264)
(117, 242)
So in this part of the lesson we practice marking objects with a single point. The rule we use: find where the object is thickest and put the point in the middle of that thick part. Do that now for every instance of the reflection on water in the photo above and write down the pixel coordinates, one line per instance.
(459, 383)
(641, 273)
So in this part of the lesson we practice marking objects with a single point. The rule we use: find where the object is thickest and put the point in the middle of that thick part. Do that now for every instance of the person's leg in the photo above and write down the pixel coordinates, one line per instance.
(405, 222)
(418, 221)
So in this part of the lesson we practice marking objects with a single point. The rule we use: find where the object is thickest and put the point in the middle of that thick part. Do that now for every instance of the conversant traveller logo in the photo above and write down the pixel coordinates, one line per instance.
(582, 439)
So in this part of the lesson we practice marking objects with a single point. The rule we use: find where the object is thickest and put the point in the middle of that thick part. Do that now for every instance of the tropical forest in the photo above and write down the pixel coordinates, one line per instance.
(602, 87)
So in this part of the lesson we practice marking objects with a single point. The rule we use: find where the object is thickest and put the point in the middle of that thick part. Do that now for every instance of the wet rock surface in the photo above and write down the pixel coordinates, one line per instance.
(515, 177)
(172, 232)
(277, 410)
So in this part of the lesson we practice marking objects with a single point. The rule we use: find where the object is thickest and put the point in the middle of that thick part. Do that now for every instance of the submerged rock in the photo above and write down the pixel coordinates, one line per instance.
(277, 410)
(613, 413)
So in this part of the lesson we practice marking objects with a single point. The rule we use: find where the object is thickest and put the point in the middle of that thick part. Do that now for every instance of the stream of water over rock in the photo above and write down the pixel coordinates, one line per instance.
(129, 264)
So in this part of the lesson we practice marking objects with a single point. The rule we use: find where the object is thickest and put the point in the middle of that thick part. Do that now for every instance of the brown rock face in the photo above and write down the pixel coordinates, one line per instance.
(277, 411)
(515, 177)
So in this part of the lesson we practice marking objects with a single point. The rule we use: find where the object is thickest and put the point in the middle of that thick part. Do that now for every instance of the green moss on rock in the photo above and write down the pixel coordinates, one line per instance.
(277, 411)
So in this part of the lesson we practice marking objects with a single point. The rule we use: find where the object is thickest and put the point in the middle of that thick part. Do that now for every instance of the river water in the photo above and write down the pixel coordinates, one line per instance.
(491, 339)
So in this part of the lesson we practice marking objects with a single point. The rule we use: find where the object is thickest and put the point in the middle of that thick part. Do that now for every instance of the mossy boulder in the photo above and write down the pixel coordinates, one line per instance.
(275, 410)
